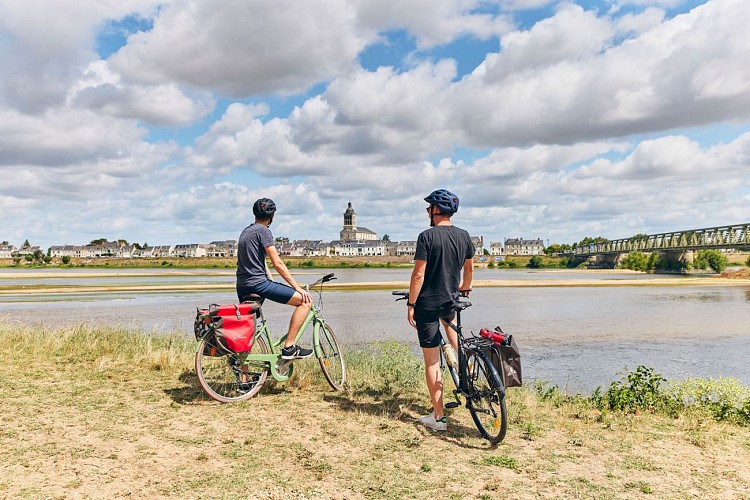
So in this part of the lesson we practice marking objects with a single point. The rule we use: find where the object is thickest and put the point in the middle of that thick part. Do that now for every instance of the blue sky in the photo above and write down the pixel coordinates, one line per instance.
(163, 121)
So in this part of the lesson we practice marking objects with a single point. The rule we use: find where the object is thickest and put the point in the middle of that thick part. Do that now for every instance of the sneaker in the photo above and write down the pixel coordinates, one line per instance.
(295, 352)
(439, 424)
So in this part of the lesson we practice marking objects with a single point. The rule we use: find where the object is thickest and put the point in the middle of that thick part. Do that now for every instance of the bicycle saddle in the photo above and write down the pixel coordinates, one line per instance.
(460, 304)
(253, 297)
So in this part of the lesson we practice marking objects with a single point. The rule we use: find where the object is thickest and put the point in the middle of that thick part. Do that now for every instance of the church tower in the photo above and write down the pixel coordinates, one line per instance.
(350, 231)
(350, 218)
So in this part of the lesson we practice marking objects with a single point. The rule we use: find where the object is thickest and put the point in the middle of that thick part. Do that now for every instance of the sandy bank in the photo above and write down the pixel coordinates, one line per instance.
(384, 285)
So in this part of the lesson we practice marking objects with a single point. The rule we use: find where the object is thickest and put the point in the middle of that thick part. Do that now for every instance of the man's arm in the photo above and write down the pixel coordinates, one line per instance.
(415, 286)
(468, 275)
(282, 270)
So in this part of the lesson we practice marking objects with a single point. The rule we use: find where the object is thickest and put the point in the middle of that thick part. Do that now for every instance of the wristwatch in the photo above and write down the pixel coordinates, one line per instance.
(409, 304)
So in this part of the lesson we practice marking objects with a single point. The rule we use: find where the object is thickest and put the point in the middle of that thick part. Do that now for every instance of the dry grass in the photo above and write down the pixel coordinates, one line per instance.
(105, 413)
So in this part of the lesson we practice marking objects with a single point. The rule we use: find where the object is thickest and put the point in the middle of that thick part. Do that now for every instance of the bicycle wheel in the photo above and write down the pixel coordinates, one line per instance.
(230, 377)
(330, 358)
(486, 399)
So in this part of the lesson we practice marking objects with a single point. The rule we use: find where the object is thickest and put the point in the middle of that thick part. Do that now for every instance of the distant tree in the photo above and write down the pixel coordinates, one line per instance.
(557, 248)
(5, 243)
(747, 262)
(66, 259)
(710, 258)
(485, 251)
(137, 246)
(100, 241)
(535, 262)
(123, 242)
(637, 261)
(386, 238)
(639, 236)
(588, 239)
(282, 239)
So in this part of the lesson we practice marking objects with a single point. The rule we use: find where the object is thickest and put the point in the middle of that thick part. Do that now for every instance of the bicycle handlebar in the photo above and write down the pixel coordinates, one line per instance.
(324, 279)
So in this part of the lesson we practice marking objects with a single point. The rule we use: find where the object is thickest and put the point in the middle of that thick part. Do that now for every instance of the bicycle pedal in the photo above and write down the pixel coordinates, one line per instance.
(452, 404)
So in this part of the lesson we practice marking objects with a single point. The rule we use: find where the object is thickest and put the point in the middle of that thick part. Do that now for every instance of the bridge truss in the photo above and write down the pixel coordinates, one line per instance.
(737, 236)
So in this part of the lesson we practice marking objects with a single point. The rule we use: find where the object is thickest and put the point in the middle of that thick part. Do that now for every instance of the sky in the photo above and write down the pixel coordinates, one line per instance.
(161, 122)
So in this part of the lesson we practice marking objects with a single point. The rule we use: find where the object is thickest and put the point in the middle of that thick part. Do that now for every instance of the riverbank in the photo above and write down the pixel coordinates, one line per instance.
(109, 413)
(627, 280)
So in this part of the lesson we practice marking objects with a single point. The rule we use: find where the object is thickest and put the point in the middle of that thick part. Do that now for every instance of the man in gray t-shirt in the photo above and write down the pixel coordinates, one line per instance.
(254, 277)
(443, 252)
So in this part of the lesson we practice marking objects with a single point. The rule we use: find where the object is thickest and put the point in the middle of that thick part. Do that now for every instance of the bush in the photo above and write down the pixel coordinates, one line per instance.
(535, 262)
(722, 398)
(638, 390)
(747, 262)
(637, 261)
(710, 258)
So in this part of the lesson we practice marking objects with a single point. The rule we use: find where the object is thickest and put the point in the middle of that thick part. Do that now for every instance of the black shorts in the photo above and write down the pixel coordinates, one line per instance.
(428, 324)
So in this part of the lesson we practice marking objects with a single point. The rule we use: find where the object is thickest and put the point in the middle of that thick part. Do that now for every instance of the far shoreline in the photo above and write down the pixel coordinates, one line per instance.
(625, 281)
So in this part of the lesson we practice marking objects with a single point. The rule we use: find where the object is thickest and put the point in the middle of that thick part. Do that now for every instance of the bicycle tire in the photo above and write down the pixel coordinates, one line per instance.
(330, 358)
(486, 398)
(224, 379)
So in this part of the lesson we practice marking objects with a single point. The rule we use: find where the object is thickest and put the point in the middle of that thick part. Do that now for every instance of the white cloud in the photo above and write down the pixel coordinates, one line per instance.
(567, 130)
(689, 70)
(244, 48)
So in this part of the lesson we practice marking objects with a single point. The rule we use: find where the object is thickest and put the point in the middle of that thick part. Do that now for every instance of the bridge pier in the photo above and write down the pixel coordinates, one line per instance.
(674, 260)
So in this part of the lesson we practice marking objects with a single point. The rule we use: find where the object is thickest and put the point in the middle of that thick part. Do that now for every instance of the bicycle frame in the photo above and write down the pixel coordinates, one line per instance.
(461, 375)
(275, 346)
(282, 371)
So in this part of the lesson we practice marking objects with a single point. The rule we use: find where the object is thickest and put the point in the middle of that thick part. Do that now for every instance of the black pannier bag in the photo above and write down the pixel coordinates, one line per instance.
(506, 358)
(203, 328)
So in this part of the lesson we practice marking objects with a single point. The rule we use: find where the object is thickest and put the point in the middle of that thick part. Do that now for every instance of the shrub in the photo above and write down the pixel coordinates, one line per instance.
(638, 390)
(710, 258)
(535, 262)
(747, 262)
(637, 261)
(722, 398)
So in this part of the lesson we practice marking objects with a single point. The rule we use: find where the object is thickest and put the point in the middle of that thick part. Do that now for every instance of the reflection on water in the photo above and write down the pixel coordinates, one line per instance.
(577, 337)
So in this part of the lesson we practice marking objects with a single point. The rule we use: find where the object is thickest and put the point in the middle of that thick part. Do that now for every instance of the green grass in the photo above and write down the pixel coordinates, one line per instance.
(106, 412)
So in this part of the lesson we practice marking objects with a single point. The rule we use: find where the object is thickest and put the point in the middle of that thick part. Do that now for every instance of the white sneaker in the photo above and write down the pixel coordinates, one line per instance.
(440, 424)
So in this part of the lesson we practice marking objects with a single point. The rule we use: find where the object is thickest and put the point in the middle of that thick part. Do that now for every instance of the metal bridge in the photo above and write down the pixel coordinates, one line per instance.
(737, 236)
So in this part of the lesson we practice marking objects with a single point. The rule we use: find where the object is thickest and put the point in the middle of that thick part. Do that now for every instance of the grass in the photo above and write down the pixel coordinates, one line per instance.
(91, 412)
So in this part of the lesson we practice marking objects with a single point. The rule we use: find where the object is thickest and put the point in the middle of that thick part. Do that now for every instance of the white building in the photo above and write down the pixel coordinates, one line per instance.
(496, 248)
(520, 246)
(6, 251)
(340, 248)
(190, 250)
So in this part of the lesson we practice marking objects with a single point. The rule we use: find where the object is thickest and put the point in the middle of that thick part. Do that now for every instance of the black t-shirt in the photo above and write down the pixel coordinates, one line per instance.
(445, 248)
(251, 254)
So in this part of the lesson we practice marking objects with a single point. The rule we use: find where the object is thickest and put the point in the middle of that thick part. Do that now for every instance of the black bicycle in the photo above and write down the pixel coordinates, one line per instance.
(475, 378)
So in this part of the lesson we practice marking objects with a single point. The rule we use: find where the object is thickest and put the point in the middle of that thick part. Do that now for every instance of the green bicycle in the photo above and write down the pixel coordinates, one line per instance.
(228, 376)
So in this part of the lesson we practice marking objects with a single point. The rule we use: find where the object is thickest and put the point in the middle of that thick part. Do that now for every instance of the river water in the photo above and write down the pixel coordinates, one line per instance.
(575, 337)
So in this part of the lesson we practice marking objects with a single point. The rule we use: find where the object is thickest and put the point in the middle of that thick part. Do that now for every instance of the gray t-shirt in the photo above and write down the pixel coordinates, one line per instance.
(251, 254)
(445, 248)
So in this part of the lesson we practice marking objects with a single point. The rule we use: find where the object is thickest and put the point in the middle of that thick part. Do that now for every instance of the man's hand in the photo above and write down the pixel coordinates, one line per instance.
(465, 293)
(410, 317)
(306, 297)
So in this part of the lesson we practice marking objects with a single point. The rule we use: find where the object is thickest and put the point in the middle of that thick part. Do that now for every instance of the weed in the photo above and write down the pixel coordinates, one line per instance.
(501, 461)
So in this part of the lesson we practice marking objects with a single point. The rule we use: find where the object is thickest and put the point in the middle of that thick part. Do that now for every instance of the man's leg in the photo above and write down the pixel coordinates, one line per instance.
(451, 333)
(298, 317)
(434, 378)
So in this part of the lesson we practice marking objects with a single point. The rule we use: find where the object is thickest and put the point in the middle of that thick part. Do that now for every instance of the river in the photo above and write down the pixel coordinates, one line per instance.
(577, 337)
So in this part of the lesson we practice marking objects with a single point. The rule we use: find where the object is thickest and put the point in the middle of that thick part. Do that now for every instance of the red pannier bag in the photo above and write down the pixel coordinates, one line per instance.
(234, 325)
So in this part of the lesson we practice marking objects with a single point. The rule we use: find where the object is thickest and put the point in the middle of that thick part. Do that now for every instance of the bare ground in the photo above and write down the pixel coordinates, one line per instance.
(95, 429)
